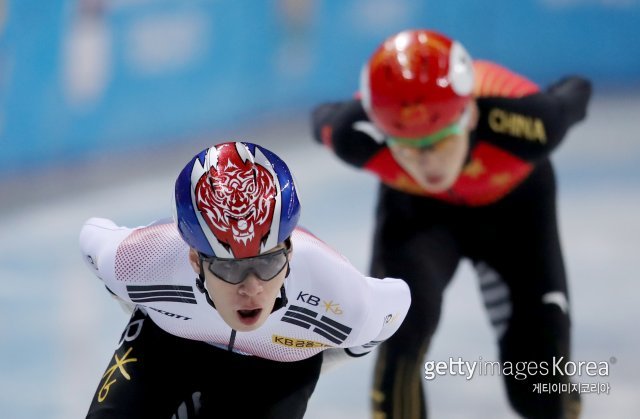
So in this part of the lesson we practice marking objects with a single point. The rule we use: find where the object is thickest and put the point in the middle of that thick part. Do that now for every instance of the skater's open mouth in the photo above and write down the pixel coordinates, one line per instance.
(249, 314)
(435, 179)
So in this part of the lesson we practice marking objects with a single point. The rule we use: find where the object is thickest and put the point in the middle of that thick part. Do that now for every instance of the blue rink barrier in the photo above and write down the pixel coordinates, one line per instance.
(83, 77)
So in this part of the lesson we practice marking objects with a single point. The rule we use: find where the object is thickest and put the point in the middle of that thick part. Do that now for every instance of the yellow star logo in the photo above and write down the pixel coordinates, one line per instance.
(474, 169)
(501, 179)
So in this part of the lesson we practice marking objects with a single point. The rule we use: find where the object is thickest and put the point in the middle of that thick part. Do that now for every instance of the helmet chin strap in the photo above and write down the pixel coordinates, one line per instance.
(278, 304)
(201, 287)
(283, 300)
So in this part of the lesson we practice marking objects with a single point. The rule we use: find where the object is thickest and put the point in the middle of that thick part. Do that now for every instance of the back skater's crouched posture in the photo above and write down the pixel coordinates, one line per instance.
(462, 150)
(234, 305)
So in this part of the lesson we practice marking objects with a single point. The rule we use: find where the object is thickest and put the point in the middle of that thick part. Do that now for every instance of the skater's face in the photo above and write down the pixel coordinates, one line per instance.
(436, 167)
(246, 304)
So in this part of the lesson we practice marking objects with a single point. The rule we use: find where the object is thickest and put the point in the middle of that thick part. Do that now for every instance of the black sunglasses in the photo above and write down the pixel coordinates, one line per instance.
(234, 271)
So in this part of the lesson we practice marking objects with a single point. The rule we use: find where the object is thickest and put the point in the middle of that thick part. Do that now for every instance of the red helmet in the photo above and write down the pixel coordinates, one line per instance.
(416, 83)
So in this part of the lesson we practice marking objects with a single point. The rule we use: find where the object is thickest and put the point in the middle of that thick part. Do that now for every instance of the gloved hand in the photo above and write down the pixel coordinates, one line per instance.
(575, 92)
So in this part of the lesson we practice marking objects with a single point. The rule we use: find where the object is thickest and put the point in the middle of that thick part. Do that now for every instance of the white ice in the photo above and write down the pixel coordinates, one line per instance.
(58, 326)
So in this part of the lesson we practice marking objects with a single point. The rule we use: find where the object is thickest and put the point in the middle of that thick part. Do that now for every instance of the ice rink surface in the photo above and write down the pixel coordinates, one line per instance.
(58, 326)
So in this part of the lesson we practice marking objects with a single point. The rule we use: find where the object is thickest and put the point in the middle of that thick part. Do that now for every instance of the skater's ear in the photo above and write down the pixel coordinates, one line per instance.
(194, 260)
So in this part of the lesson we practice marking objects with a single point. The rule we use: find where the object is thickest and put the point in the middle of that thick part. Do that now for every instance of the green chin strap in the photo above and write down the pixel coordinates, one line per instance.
(429, 140)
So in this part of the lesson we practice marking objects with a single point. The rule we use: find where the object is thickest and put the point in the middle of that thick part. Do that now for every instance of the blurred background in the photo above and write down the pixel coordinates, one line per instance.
(102, 102)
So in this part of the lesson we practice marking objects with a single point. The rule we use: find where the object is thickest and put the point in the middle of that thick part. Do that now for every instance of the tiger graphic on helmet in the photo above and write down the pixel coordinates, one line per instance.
(237, 199)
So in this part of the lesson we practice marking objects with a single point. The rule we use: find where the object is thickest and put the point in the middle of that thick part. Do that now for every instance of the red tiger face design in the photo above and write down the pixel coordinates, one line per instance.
(237, 200)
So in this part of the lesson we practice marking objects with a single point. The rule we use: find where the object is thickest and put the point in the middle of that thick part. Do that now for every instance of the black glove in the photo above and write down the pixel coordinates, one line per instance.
(574, 92)
(322, 115)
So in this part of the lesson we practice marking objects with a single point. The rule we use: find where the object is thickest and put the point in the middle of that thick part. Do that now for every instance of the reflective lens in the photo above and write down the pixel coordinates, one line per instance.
(234, 271)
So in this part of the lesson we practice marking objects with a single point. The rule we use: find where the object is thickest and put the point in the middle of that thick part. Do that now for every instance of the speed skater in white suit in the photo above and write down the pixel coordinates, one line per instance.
(235, 306)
